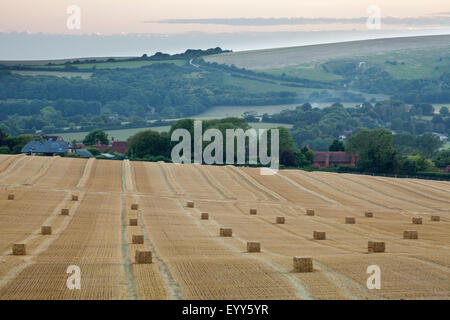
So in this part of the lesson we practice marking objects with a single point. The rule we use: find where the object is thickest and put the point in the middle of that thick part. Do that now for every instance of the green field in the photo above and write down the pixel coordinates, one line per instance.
(121, 134)
(404, 58)
(124, 134)
(310, 71)
(257, 86)
(269, 125)
(263, 86)
(415, 64)
(113, 64)
(82, 75)
(402, 64)
(446, 146)
(237, 111)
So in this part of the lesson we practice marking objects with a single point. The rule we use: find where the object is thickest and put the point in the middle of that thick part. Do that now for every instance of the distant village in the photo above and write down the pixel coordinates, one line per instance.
(50, 145)
(54, 145)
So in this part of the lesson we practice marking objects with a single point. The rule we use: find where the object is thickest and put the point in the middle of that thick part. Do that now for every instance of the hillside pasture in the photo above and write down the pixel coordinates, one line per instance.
(293, 56)
(59, 74)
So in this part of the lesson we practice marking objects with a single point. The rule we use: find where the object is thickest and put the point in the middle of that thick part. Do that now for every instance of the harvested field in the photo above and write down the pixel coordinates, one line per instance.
(164, 249)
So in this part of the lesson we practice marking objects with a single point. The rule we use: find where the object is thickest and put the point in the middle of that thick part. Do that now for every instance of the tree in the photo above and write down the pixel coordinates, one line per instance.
(300, 158)
(16, 144)
(427, 109)
(414, 164)
(303, 157)
(375, 150)
(442, 158)
(309, 155)
(444, 111)
(148, 143)
(306, 107)
(285, 139)
(50, 114)
(4, 150)
(337, 145)
(287, 158)
(428, 143)
(94, 136)
(3, 137)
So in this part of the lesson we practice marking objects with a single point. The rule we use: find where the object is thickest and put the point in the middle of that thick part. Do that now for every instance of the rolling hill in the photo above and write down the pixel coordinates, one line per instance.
(282, 57)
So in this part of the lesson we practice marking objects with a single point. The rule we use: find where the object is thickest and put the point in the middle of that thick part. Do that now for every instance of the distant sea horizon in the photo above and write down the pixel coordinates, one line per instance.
(39, 46)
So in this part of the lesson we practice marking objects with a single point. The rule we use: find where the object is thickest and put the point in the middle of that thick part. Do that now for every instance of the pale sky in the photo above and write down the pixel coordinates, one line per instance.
(128, 16)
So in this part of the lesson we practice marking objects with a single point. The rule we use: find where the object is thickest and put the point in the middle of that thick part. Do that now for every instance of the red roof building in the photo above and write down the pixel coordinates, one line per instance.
(325, 159)
(115, 146)
(119, 146)
(79, 145)
(447, 170)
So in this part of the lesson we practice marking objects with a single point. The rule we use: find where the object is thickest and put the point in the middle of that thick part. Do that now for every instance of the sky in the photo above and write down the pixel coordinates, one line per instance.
(108, 17)
(46, 29)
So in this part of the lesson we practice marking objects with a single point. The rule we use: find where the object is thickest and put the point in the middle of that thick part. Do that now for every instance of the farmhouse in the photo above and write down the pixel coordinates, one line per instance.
(324, 159)
(48, 148)
(115, 146)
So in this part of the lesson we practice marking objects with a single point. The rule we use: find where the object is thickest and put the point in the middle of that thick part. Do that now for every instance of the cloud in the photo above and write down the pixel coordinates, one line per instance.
(440, 19)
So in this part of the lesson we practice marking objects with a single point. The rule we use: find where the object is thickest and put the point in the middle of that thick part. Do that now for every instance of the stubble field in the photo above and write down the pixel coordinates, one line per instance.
(189, 258)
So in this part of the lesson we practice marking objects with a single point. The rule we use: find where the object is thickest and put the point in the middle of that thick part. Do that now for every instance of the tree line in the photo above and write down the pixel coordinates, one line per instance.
(318, 127)
(113, 96)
